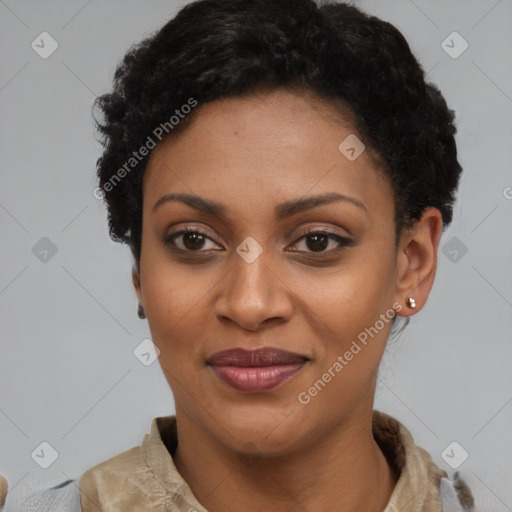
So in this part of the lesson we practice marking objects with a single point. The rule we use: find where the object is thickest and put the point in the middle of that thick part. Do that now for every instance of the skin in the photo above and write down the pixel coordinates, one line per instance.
(267, 451)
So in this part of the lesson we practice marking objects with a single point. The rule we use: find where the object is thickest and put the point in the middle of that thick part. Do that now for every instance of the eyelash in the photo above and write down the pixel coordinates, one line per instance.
(342, 241)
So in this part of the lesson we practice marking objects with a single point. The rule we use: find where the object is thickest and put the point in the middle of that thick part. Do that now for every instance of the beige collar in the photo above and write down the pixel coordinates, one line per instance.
(417, 489)
(145, 478)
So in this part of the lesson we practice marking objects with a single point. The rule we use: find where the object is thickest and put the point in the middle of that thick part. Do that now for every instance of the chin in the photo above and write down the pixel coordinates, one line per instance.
(262, 430)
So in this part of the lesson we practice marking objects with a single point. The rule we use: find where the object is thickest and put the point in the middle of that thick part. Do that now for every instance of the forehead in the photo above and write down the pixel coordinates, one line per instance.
(264, 147)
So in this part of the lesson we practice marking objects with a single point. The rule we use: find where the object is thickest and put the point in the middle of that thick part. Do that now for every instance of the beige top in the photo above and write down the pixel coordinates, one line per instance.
(145, 478)
(3, 490)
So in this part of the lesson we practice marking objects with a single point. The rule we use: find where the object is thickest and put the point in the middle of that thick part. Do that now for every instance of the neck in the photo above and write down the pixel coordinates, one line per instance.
(343, 470)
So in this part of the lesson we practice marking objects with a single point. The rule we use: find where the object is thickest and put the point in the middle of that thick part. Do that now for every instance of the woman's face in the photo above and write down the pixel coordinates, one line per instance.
(315, 296)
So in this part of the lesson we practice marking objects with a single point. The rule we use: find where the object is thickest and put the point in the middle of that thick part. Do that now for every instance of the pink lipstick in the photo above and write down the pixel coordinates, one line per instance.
(257, 370)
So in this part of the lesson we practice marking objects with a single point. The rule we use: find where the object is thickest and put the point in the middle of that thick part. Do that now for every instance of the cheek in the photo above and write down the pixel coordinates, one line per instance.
(170, 289)
(173, 301)
(351, 297)
(350, 313)
(351, 337)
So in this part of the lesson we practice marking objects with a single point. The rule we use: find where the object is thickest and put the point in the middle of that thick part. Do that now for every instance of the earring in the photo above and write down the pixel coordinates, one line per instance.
(141, 312)
(410, 302)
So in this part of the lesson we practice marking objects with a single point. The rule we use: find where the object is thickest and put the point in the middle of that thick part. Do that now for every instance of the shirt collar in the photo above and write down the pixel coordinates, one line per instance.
(417, 489)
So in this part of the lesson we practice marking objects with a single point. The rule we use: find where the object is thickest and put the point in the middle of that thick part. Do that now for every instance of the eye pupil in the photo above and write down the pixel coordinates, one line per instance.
(317, 245)
(196, 239)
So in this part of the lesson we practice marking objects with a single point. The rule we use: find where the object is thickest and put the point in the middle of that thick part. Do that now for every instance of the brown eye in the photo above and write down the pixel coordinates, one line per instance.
(191, 241)
(318, 241)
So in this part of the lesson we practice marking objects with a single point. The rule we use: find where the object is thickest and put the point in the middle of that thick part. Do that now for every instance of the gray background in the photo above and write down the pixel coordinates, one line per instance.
(68, 375)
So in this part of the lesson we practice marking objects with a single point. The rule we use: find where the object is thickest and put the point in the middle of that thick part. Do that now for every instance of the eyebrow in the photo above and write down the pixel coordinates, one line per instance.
(281, 212)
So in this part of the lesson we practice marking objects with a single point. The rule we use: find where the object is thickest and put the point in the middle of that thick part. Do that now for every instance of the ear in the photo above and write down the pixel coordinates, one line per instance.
(136, 283)
(417, 260)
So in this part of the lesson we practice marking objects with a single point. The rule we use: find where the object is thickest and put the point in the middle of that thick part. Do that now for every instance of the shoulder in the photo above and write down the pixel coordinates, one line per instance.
(119, 462)
(3, 491)
(415, 467)
(29, 497)
(37, 496)
(125, 479)
(115, 470)
(455, 495)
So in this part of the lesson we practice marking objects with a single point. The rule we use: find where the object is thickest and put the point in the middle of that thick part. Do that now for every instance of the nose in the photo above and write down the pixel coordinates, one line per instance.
(253, 294)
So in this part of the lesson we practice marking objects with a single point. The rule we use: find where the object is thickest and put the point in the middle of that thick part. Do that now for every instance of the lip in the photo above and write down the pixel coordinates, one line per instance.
(256, 370)
(264, 356)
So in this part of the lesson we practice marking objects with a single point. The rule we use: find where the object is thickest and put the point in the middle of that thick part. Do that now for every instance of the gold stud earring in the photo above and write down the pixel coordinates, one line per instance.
(410, 302)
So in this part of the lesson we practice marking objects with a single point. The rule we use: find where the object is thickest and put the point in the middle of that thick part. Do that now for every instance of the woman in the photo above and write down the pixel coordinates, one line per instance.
(282, 174)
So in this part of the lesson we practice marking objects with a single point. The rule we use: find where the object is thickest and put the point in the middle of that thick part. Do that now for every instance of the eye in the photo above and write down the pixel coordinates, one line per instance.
(317, 241)
(193, 240)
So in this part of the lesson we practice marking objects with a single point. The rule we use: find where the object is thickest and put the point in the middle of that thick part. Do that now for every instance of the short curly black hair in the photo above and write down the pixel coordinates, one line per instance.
(216, 49)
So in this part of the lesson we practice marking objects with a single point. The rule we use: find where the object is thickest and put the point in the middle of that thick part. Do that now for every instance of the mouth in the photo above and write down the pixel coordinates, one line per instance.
(257, 370)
